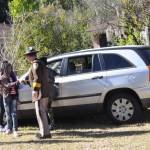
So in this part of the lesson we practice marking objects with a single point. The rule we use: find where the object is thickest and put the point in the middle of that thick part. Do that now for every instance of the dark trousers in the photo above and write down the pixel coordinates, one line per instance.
(2, 111)
(50, 115)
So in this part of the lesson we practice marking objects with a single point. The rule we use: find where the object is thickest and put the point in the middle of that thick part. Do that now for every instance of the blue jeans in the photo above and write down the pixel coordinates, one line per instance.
(10, 105)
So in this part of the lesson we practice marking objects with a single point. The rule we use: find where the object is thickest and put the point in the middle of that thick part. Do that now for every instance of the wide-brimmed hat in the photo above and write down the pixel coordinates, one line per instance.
(30, 50)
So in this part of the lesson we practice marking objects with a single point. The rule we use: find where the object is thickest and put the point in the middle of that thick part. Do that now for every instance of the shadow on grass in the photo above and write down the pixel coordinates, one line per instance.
(47, 141)
(92, 134)
(84, 122)
(27, 133)
(98, 121)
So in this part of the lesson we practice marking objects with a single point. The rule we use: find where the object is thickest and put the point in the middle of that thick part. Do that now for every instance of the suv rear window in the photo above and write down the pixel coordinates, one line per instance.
(56, 66)
(145, 54)
(114, 61)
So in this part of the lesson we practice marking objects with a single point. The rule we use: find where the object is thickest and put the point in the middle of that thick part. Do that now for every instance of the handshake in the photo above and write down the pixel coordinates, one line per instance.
(24, 82)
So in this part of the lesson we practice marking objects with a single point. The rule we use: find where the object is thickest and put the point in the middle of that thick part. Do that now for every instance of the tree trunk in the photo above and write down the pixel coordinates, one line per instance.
(95, 40)
(147, 35)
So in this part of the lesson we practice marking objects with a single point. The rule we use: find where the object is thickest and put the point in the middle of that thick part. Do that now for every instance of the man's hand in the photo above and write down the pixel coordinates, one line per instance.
(35, 94)
(17, 82)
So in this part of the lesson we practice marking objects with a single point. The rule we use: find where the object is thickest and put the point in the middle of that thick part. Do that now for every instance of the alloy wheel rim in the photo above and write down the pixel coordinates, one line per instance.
(122, 109)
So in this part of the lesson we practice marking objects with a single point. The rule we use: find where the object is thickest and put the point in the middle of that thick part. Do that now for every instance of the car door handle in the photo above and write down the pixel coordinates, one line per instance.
(57, 84)
(97, 77)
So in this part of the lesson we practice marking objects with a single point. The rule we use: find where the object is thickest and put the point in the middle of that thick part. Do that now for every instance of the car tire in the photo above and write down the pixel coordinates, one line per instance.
(124, 108)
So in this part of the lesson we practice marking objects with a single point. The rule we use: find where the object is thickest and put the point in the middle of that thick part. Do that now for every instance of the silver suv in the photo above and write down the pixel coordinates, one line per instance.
(114, 79)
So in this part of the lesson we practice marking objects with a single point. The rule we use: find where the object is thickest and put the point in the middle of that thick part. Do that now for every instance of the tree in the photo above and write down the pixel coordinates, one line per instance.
(4, 12)
(103, 10)
(133, 19)
(103, 14)
(69, 4)
(19, 7)
(56, 31)
(12, 40)
(52, 30)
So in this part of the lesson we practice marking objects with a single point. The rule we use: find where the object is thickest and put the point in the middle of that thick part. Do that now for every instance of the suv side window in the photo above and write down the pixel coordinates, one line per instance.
(114, 61)
(80, 64)
(56, 66)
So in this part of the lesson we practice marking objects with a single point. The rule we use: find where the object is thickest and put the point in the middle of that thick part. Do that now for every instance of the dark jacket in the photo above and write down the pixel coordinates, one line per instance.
(39, 80)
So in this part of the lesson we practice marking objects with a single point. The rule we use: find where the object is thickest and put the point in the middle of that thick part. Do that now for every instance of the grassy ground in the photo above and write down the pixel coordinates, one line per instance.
(88, 133)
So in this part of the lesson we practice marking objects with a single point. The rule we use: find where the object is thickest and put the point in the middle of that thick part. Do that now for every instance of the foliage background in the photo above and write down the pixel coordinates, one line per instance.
(58, 26)
(51, 28)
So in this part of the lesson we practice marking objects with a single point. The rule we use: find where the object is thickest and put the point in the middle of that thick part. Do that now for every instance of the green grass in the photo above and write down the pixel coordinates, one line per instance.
(86, 133)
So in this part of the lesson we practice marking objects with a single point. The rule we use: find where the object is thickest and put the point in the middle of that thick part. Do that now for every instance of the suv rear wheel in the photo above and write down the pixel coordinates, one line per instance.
(123, 107)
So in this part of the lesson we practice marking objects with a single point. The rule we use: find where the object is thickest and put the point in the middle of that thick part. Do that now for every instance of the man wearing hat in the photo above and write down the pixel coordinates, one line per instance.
(38, 76)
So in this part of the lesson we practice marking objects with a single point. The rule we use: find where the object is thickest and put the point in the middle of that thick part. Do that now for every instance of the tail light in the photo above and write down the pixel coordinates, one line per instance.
(149, 72)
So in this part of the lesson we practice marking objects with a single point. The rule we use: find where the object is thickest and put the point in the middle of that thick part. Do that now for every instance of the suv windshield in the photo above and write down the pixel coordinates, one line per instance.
(56, 66)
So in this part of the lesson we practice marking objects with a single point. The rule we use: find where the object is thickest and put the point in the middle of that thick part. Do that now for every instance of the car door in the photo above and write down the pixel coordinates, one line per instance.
(57, 66)
(120, 72)
(25, 91)
(83, 82)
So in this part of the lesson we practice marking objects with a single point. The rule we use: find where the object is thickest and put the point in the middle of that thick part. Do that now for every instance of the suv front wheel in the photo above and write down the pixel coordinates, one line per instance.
(123, 107)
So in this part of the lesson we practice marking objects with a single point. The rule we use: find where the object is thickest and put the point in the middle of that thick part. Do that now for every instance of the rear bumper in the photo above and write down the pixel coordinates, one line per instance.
(144, 95)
